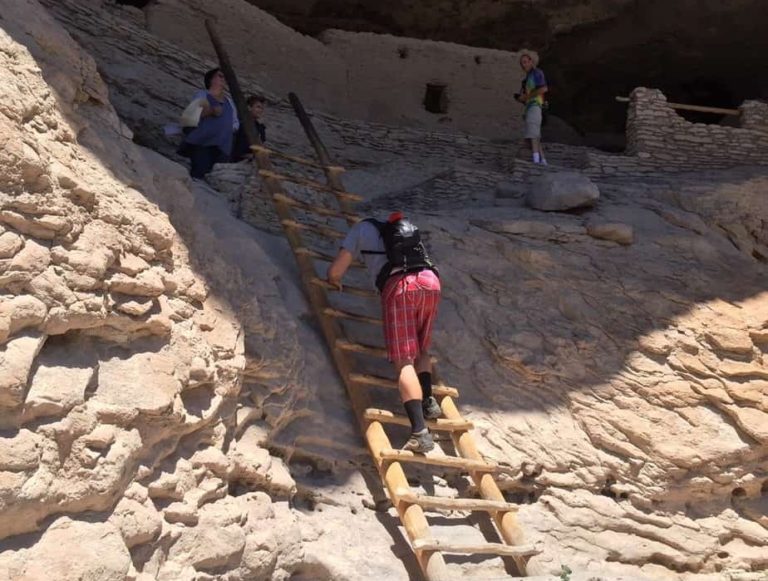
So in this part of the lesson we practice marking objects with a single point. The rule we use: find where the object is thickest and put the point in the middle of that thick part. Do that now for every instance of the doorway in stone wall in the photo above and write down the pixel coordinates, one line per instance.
(135, 3)
(436, 98)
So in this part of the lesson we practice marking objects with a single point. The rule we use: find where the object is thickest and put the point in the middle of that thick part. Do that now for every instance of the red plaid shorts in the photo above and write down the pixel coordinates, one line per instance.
(409, 307)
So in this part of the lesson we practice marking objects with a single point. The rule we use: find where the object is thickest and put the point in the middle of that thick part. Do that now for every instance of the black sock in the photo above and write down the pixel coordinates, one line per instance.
(415, 415)
(425, 379)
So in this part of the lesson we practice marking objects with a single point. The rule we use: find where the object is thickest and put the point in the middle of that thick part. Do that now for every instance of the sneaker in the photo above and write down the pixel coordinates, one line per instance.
(420, 442)
(431, 408)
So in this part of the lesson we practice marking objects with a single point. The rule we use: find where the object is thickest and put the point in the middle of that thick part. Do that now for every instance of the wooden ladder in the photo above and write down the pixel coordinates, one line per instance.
(389, 461)
(299, 219)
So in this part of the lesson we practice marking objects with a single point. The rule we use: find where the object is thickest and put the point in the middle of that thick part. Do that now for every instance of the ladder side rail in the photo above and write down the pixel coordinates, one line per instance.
(506, 522)
(332, 173)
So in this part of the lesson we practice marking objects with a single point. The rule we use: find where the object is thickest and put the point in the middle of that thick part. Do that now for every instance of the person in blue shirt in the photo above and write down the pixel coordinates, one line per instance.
(211, 141)
(534, 87)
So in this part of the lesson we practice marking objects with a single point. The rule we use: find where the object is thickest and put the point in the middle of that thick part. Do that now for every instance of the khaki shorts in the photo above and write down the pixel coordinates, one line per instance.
(533, 122)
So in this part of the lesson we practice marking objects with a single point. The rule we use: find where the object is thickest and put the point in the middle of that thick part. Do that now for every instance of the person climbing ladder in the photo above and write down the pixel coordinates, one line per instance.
(407, 279)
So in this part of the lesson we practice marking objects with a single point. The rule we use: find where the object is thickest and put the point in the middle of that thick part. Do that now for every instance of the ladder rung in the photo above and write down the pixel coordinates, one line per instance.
(437, 390)
(351, 290)
(286, 156)
(444, 425)
(267, 174)
(323, 256)
(345, 345)
(321, 230)
(465, 504)
(337, 314)
(454, 462)
(482, 549)
(314, 209)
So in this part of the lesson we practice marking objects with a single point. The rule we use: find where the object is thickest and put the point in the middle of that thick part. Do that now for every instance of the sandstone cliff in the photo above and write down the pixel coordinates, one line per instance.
(169, 412)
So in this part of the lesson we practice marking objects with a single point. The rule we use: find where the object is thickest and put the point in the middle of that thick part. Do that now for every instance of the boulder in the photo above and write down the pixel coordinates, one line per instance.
(615, 232)
(559, 191)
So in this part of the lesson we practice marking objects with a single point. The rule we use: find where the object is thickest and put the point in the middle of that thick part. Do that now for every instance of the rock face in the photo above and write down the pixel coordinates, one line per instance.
(169, 411)
(558, 191)
(117, 360)
(98, 553)
(621, 233)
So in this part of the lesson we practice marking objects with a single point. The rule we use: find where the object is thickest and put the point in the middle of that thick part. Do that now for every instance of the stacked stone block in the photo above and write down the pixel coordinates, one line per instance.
(657, 134)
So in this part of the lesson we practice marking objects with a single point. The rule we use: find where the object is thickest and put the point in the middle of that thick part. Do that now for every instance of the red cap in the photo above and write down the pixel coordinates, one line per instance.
(394, 217)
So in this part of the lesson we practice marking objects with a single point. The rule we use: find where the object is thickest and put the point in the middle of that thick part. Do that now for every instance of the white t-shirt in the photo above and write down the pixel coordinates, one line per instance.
(366, 236)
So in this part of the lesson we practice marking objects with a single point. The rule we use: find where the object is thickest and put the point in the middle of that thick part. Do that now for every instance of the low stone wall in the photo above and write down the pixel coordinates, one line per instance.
(407, 142)
(656, 133)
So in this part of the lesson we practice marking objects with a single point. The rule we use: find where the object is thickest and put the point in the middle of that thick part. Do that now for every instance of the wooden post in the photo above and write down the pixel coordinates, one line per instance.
(246, 120)
(698, 108)
(309, 129)
(332, 173)
(316, 295)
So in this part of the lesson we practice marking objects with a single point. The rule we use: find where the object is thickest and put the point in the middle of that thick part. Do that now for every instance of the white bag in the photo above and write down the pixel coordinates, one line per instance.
(190, 117)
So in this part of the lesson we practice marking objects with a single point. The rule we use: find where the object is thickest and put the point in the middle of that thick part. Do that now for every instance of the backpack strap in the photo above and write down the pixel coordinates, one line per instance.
(380, 227)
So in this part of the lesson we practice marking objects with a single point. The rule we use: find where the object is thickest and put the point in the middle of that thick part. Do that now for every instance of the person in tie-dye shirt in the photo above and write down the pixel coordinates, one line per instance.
(532, 93)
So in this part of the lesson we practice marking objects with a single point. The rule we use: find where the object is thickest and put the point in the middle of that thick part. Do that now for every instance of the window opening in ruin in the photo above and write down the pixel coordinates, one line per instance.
(135, 3)
(436, 98)
(402, 52)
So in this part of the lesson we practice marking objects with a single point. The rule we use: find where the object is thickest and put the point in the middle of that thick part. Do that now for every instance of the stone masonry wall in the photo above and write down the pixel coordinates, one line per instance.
(387, 78)
(656, 133)
(371, 77)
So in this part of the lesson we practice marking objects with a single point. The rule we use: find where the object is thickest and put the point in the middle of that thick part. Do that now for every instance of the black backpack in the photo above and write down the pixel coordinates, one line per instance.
(404, 249)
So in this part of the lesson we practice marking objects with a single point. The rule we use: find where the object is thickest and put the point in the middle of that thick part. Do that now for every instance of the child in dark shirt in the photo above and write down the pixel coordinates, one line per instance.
(256, 106)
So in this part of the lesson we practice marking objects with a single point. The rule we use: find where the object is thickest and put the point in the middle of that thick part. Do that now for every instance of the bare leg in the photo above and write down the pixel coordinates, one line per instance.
(536, 145)
(408, 381)
(410, 392)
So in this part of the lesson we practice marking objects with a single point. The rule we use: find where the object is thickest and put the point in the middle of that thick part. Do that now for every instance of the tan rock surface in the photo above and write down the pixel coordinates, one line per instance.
(114, 359)
(622, 386)
(76, 550)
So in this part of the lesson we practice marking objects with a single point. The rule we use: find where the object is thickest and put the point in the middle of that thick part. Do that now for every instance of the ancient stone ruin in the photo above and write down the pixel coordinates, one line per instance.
(170, 408)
